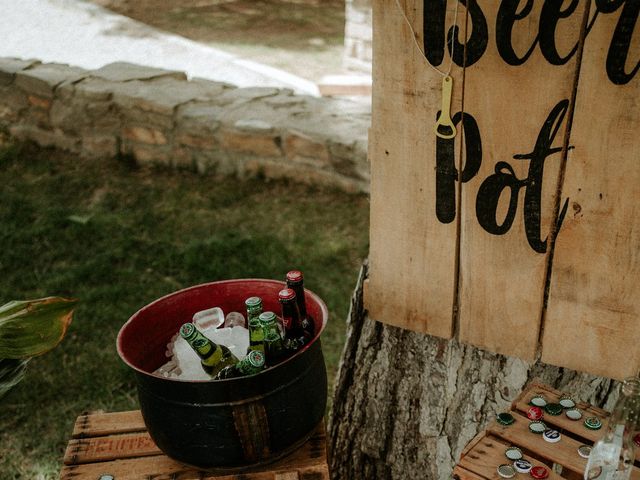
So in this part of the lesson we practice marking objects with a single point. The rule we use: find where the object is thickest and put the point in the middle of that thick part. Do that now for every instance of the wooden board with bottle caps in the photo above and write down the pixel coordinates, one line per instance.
(487, 451)
(118, 445)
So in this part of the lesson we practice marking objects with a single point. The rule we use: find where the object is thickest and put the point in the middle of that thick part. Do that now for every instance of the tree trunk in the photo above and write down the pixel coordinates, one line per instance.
(406, 404)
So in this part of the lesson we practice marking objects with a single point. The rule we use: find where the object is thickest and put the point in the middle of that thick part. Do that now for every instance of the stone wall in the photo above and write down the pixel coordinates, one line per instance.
(159, 117)
(358, 35)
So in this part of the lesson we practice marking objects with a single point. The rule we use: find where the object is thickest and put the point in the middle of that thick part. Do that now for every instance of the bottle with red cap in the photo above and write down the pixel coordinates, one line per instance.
(295, 281)
(293, 333)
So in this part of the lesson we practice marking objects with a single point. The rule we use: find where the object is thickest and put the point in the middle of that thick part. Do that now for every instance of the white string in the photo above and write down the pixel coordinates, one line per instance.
(415, 40)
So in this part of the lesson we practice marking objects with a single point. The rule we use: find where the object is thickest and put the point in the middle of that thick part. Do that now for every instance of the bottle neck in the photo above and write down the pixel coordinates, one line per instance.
(298, 287)
(626, 411)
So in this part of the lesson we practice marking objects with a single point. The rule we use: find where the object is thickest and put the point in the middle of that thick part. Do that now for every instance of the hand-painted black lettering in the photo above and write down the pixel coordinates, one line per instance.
(477, 41)
(446, 171)
(433, 26)
(507, 16)
(620, 42)
(489, 195)
(549, 16)
(533, 191)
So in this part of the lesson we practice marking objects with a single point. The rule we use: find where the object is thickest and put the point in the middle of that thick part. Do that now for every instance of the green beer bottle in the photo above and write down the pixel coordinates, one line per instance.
(251, 364)
(274, 347)
(213, 357)
(256, 334)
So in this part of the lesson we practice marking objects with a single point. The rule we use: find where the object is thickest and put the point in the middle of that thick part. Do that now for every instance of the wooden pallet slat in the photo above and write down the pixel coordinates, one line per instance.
(482, 456)
(118, 444)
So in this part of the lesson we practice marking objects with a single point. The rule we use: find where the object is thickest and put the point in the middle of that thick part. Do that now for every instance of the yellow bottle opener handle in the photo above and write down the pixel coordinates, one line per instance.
(444, 121)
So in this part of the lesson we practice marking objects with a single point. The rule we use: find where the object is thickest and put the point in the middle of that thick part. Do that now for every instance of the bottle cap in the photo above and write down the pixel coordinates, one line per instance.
(513, 453)
(294, 276)
(522, 466)
(506, 471)
(539, 472)
(573, 414)
(636, 439)
(553, 408)
(537, 401)
(584, 451)
(567, 402)
(537, 426)
(551, 436)
(187, 330)
(256, 358)
(267, 317)
(253, 302)
(286, 294)
(593, 473)
(534, 413)
(505, 418)
(592, 423)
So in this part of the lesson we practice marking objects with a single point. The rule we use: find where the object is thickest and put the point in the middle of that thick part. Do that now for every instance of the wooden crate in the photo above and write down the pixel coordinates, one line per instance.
(482, 456)
(119, 444)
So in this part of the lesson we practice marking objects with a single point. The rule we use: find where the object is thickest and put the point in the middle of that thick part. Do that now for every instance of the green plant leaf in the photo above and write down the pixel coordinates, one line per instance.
(33, 327)
(11, 372)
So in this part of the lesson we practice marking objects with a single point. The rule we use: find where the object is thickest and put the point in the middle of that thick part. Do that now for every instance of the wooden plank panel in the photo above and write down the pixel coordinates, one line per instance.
(112, 447)
(412, 259)
(460, 473)
(132, 469)
(594, 303)
(507, 208)
(100, 423)
(564, 452)
(488, 454)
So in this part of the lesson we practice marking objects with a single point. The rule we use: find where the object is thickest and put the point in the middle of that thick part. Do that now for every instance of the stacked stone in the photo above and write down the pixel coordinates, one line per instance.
(159, 117)
(358, 35)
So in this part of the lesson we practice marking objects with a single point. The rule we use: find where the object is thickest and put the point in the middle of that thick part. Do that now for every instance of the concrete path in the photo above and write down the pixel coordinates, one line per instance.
(89, 36)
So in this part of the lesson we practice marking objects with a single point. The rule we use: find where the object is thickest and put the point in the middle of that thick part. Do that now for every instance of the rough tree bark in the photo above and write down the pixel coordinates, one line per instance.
(405, 404)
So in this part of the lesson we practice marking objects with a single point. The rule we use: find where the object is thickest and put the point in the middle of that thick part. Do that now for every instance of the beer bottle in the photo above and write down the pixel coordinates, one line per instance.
(251, 364)
(274, 347)
(294, 334)
(213, 357)
(613, 455)
(295, 281)
(256, 333)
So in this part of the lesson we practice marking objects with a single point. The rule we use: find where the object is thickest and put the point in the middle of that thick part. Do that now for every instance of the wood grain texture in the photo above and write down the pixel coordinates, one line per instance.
(101, 423)
(102, 444)
(502, 276)
(594, 302)
(412, 255)
(406, 405)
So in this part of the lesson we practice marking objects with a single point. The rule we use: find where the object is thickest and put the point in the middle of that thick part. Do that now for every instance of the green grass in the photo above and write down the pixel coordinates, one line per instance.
(116, 238)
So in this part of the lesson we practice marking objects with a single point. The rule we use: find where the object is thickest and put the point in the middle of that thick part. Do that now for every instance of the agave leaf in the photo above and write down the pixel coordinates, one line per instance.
(33, 327)
(11, 372)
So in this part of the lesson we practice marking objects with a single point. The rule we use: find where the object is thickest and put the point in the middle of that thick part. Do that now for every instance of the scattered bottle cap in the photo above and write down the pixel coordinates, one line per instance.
(537, 401)
(553, 409)
(537, 426)
(505, 418)
(567, 402)
(539, 472)
(106, 476)
(584, 451)
(522, 466)
(513, 453)
(506, 471)
(551, 436)
(534, 413)
(573, 414)
(593, 423)
(594, 472)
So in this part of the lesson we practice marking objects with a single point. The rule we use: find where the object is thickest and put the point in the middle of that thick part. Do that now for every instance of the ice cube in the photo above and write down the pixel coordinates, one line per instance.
(210, 318)
(234, 319)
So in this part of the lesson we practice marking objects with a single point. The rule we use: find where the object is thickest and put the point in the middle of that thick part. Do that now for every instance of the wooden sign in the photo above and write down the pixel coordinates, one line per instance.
(519, 234)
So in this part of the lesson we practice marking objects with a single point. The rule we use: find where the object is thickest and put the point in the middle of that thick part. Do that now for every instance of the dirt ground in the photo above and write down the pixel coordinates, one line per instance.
(304, 37)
